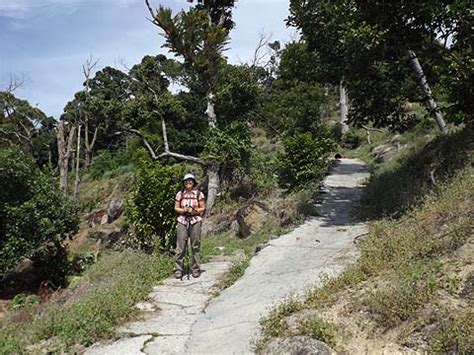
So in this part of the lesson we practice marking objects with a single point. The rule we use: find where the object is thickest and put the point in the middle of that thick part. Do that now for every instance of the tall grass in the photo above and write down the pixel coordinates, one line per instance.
(403, 182)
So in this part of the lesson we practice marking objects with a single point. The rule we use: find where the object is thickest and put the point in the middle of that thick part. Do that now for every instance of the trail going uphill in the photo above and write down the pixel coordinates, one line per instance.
(229, 323)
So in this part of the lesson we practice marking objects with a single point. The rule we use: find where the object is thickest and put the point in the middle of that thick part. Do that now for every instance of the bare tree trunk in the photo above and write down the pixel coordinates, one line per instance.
(213, 170)
(77, 178)
(425, 87)
(89, 145)
(344, 107)
(212, 187)
(87, 158)
(210, 111)
(62, 163)
(63, 155)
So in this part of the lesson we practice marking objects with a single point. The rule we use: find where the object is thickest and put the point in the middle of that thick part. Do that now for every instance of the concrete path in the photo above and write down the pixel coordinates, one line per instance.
(289, 265)
(172, 309)
(189, 324)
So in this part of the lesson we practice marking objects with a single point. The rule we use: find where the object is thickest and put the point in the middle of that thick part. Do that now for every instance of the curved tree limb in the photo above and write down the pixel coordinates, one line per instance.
(167, 152)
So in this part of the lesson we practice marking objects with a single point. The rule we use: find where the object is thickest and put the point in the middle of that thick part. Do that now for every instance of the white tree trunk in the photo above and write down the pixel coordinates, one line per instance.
(425, 87)
(213, 170)
(89, 145)
(77, 179)
(210, 112)
(63, 155)
(344, 107)
(212, 187)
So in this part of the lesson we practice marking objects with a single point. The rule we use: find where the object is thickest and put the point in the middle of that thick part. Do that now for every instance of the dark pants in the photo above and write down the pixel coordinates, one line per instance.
(184, 232)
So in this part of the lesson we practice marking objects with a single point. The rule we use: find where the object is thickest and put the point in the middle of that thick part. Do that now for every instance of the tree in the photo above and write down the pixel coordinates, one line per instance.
(199, 36)
(65, 147)
(26, 127)
(366, 41)
(34, 216)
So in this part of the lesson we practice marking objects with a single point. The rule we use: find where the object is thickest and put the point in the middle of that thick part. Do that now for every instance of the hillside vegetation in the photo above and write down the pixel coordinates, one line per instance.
(87, 219)
(411, 289)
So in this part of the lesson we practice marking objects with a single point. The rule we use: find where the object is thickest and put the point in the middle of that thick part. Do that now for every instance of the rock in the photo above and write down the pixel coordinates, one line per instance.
(96, 218)
(285, 218)
(104, 219)
(115, 209)
(256, 217)
(145, 306)
(384, 153)
(24, 266)
(297, 345)
(234, 227)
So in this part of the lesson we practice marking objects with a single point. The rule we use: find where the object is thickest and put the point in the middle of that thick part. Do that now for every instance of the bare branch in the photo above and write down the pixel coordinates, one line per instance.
(87, 69)
(367, 128)
(165, 153)
(263, 40)
(152, 13)
(165, 135)
(94, 137)
(14, 83)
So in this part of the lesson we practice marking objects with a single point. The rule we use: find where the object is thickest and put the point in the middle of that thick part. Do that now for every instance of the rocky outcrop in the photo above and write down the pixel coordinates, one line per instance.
(113, 211)
(384, 153)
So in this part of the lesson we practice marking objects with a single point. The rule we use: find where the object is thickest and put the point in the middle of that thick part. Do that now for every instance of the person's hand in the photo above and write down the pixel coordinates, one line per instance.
(189, 210)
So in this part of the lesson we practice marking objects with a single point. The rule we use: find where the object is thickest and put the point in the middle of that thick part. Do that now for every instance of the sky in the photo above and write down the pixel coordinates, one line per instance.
(46, 42)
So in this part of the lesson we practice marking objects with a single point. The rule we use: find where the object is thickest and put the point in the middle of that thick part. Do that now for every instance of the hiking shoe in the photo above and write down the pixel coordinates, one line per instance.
(178, 274)
(196, 273)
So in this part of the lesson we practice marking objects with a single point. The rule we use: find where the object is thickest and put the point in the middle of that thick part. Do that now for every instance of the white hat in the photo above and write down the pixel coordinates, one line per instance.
(190, 176)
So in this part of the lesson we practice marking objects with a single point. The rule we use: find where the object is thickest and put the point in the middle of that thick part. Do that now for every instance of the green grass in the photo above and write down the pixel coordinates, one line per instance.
(318, 329)
(114, 285)
(235, 272)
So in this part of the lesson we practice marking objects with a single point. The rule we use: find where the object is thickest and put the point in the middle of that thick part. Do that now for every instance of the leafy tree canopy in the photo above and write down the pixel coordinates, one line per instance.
(26, 127)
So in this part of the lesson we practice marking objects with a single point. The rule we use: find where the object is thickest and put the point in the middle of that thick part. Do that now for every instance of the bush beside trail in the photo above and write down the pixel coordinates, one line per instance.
(35, 217)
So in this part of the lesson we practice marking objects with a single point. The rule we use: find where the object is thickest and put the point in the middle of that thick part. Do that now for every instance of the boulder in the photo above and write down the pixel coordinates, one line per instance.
(251, 218)
(297, 345)
(384, 153)
(115, 209)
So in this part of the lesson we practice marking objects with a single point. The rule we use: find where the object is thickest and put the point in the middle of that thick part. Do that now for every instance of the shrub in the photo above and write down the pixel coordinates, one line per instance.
(150, 208)
(34, 215)
(304, 159)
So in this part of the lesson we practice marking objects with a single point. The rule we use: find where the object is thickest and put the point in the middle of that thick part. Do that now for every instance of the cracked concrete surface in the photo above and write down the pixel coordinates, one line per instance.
(173, 307)
(286, 266)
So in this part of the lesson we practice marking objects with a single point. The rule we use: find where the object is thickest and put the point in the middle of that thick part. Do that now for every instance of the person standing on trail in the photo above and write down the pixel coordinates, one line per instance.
(190, 205)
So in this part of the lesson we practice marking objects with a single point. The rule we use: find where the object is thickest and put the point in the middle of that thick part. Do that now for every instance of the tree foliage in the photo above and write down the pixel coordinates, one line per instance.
(34, 215)
(25, 127)
(365, 43)
(304, 159)
(151, 206)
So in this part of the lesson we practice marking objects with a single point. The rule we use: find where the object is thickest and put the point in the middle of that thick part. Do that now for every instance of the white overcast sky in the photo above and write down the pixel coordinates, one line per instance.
(47, 41)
